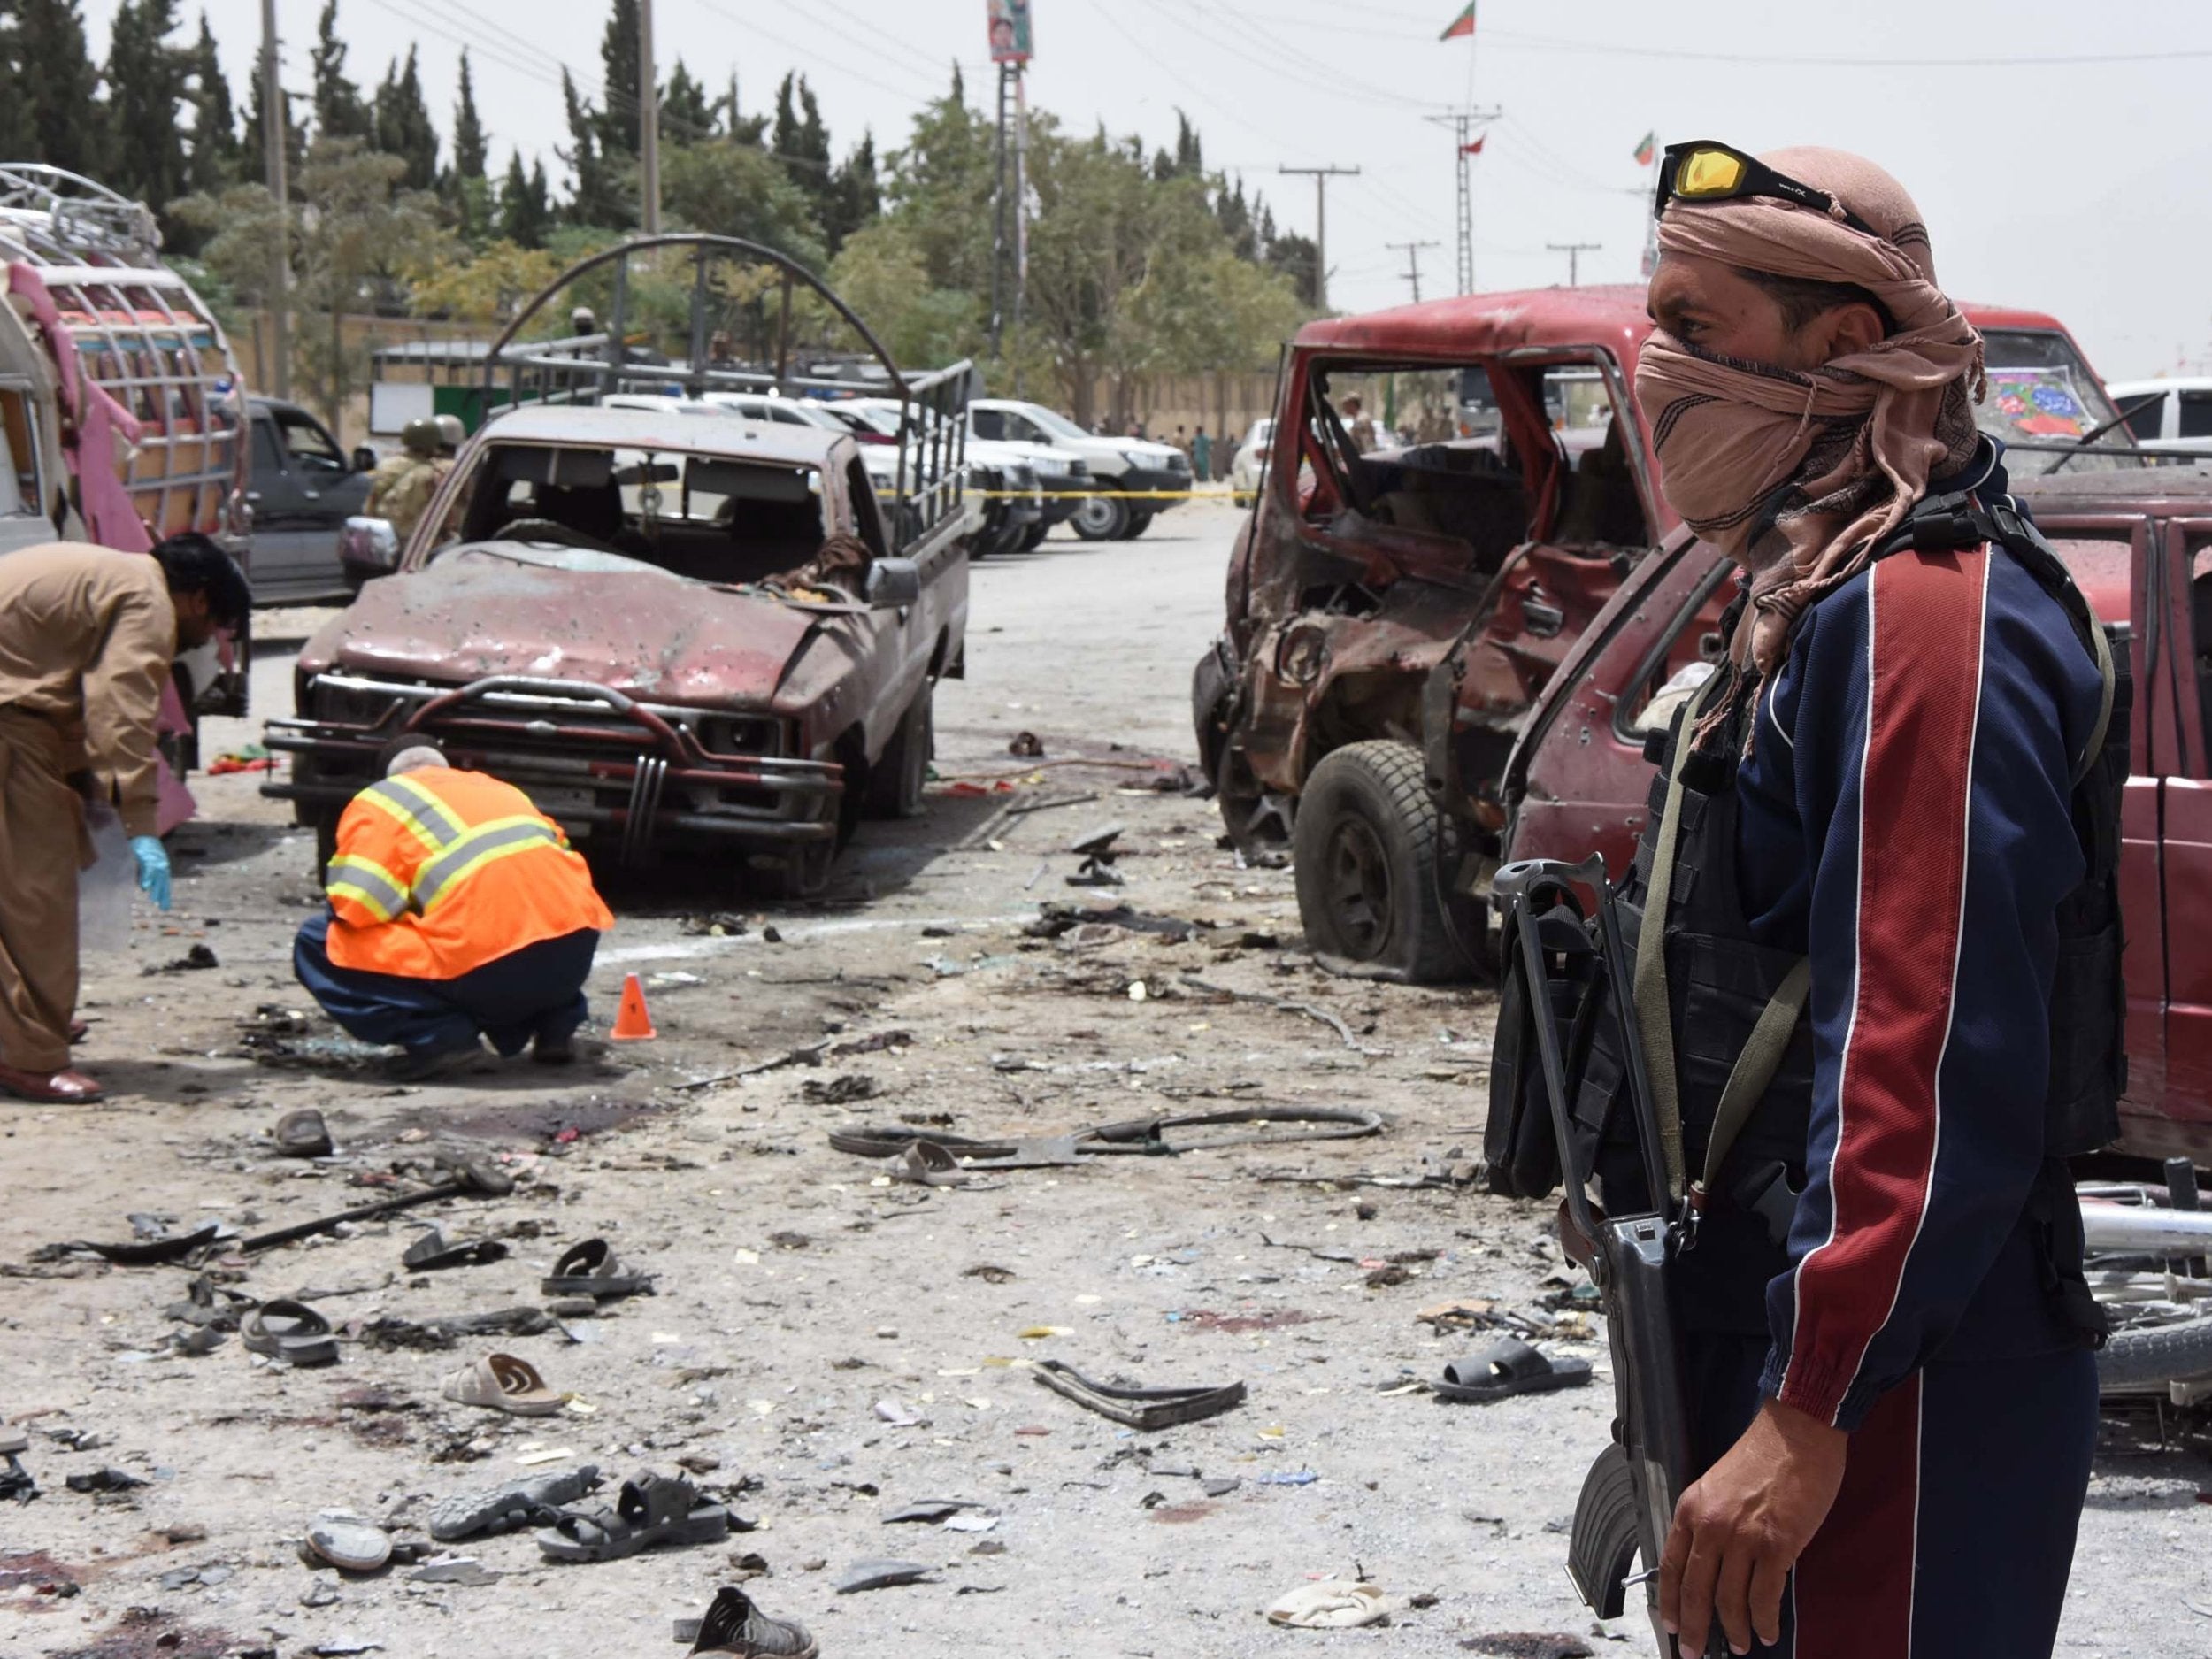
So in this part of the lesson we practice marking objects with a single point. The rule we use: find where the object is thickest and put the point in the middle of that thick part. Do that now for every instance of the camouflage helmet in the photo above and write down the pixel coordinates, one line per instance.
(450, 433)
(419, 436)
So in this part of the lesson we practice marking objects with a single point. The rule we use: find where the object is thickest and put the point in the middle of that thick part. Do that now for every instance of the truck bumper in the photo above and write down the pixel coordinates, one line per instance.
(622, 778)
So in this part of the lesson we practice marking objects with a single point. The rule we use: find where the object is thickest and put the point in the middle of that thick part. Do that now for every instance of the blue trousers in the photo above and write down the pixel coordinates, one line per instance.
(535, 991)
(1954, 1533)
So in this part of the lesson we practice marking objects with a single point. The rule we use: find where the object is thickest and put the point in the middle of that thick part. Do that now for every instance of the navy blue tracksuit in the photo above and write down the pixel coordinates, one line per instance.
(1905, 820)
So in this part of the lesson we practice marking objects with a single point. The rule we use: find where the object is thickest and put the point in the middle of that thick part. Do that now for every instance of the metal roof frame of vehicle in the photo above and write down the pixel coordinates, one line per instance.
(693, 430)
(141, 332)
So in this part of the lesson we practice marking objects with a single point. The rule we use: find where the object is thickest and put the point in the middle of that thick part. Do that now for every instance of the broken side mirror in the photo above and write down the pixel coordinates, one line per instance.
(894, 583)
(369, 545)
(364, 459)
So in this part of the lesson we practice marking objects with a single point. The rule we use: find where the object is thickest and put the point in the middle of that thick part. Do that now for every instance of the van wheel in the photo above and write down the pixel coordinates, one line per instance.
(1034, 537)
(1138, 523)
(894, 785)
(1099, 519)
(1372, 855)
(801, 874)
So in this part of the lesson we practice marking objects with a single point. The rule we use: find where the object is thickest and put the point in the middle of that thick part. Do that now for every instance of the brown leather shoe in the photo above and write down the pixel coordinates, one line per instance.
(55, 1088)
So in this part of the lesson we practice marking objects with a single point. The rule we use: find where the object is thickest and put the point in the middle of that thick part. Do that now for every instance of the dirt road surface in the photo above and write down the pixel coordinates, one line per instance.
(827, 1348)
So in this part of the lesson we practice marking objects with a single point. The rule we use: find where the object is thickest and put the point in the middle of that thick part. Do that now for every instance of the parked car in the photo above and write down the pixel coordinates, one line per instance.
(683, 633)
(1008, 480)
(1251, 461)
(302, 487)
(1128, 467)
(2167, 417)
(1392, 618)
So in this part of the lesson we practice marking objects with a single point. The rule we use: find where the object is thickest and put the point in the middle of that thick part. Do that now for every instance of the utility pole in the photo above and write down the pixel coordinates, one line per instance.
(648, 122)
(1466, 145)
(1412, 252)
(1021, 210)
(998, 231)
(1574, 250)
(275, 128)
(1321, 177)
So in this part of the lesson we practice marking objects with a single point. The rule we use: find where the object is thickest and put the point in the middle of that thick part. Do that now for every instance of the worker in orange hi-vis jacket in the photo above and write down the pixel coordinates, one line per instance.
(458, 912)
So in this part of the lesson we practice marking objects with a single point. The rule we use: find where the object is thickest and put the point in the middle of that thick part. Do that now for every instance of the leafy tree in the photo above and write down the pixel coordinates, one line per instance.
(1297, 258)
(58, 87)
(339, 109)
(940, 187)
(214, 159)
(146, 83)
(470, 148)
(883, 274)
(489, 286)
(366, 237)
(404, 128)
(687, 114)
(618, 127)
(732, 189)
(599, 198)
(526, 208)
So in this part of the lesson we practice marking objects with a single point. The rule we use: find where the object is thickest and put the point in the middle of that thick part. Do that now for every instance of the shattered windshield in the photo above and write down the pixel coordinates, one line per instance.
(711, 517)
(2043, 398)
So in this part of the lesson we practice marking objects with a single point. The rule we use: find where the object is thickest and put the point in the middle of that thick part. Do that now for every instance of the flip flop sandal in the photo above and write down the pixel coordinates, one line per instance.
(1507, 1367)
(508, 1509)
(302, 1134)
(151, 1252)
(431, 1252)
(1145, 1409)
(884, 1140)
(348, 1542)
(592, 1269)
(15, 1480)
(13, 1440)
(882, 1575)
(651, 1509)
(734, 1628)
(500, 1382)
(290, 1331)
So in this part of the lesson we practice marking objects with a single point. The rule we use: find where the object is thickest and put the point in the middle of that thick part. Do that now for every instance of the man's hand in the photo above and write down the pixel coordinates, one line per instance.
(1739, 1530)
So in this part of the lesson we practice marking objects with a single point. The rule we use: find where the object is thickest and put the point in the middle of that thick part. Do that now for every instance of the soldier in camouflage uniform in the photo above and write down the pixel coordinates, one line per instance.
(401, 488)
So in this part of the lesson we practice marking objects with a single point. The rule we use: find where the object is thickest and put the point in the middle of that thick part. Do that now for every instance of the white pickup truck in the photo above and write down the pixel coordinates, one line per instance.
(1139, 478)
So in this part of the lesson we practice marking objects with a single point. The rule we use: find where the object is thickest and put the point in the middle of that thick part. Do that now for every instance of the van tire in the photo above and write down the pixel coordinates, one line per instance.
(1101, 519)
(1372, 855)
(1138, 523)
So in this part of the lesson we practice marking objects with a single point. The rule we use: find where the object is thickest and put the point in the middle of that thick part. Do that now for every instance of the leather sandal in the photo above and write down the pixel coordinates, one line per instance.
(735, 1629)
(50, 1089)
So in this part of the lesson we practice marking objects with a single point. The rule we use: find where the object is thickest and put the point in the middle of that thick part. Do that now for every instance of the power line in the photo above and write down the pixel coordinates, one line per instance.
(1321, 177)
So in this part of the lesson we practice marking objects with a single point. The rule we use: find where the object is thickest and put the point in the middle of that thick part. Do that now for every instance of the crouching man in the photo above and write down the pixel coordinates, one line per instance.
(458, 912)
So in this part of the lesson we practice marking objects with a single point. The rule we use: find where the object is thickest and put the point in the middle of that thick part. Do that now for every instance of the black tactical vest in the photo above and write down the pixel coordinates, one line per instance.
(1720, 980)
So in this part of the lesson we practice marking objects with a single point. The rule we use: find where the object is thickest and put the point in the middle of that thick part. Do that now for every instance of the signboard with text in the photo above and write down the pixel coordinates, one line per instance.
(1011, 41)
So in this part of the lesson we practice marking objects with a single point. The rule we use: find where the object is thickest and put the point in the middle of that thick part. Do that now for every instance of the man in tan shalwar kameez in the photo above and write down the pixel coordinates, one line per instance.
(88, 636)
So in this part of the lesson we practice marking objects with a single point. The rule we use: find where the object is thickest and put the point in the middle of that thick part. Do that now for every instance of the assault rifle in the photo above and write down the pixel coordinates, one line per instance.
(1627, 1507)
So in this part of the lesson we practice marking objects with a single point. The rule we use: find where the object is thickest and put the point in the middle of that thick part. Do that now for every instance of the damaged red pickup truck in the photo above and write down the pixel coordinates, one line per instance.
(1393, 616)
(681, 629)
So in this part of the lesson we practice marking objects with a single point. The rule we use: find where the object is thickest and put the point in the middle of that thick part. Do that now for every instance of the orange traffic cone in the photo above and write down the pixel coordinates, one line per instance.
(632, 1023)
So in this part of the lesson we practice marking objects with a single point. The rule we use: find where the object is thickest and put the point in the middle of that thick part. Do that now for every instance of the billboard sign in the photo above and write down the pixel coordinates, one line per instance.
(1012, 42)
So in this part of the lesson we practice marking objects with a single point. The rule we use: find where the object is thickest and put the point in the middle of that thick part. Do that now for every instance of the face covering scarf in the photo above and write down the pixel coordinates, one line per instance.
(1831, 459)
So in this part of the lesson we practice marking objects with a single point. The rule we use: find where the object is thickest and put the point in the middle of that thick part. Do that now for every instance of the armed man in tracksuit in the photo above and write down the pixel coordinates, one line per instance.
(1888, 825)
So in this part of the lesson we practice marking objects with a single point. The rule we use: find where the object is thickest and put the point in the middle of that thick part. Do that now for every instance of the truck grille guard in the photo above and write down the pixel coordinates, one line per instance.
(517, 708)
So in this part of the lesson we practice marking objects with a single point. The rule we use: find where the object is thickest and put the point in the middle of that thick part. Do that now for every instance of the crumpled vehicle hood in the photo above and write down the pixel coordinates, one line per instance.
(644, 632)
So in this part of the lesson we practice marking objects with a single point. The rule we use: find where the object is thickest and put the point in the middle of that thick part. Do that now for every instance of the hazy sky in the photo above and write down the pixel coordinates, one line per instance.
(2057, 150)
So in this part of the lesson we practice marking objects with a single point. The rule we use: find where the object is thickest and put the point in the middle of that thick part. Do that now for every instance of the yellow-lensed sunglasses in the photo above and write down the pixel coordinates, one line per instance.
(1707, 170)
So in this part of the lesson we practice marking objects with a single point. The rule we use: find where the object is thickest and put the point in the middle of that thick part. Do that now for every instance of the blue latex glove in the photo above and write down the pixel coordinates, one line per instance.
(153, 868)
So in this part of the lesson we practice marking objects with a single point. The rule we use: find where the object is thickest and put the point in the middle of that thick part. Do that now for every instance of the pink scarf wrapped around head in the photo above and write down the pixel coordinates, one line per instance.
(1850, 445)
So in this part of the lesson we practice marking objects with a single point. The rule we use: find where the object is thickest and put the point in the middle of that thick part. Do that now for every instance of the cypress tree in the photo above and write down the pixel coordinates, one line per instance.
(214, 121)
(855, 195)
(15, 115)
(253, 152)
(597, 200)
(59, 87)
(339, 109)
(686, 117)
(145, 77)
(470, 148)
(402, 124)
(618, 125)
(525, 212)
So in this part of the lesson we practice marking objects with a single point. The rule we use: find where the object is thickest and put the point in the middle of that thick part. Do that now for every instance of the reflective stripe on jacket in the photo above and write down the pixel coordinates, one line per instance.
(439, 871)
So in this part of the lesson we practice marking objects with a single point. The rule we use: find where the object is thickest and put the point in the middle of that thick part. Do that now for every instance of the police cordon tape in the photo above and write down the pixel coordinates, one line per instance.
(1223, 494)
